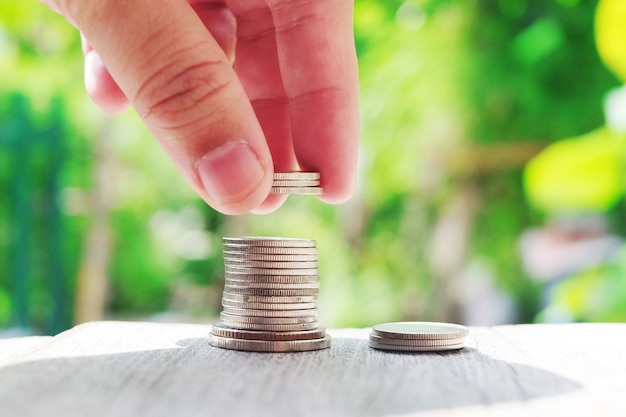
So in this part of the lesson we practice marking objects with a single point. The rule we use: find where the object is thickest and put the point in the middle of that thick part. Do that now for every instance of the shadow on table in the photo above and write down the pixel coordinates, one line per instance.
(350, 379)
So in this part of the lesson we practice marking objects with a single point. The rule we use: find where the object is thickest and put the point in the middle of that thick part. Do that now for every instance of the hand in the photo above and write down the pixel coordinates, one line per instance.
(290, 101)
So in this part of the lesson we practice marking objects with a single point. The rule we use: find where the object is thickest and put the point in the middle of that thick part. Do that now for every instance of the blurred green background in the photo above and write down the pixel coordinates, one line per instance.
(490, 187)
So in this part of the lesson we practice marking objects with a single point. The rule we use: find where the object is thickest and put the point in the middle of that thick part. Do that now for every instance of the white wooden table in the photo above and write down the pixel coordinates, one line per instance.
(145, 370)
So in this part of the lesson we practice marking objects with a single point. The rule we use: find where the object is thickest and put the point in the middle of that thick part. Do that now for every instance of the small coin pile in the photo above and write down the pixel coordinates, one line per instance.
(304, 183)
(270, 297)
(418, 336)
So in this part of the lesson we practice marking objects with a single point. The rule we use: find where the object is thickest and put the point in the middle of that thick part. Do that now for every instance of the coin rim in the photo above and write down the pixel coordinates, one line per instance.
(382, 346)
(268, 271)
(270, 292)
(252, 263)
(274, 279)
(229, 332)
(270, 346)
(415, 342)
(271, 250)
(297, 175)
(295, 183)
(270, 299)
(231, 318)
(269, 241)
(462, 331)
(262, 285)
(266, 257)
(308, 312)
(274, 327)
(269, 306)
(297, 190)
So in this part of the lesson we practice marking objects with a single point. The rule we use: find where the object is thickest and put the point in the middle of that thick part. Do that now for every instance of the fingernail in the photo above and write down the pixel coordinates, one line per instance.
(230, 173)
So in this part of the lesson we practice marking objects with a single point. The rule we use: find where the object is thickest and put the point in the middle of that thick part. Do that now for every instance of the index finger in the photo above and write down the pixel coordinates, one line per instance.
(318, 65)
(182, 85)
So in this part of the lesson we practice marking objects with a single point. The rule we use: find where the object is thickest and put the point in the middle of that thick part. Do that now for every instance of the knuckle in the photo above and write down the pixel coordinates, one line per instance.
(177, 97)
(78, 13)
(292, 15)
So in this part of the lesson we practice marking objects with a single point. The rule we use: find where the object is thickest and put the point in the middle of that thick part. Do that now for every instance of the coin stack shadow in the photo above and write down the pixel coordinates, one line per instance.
(299, 182)
(270, 297)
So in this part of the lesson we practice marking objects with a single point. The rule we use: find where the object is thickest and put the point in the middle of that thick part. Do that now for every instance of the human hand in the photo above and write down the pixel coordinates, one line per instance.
(290, 101)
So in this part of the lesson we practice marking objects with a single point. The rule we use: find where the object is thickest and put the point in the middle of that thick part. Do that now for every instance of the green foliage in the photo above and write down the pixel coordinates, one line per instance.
(596, 294)
(438, 78)
(578, 175)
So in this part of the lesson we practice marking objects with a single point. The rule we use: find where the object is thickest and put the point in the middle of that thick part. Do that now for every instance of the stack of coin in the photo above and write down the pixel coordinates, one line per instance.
(270, 297)
(418, 336)
(296, 183)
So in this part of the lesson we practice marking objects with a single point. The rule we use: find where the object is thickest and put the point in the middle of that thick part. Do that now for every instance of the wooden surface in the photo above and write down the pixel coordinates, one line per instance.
(146, 370)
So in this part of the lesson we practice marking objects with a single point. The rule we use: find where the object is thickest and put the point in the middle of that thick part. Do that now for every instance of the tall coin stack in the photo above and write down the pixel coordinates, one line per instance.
(304, 183)
(270, 297)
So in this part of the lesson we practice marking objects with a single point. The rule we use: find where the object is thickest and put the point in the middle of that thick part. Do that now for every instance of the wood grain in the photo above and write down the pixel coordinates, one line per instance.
(12, 347)
(147, 369)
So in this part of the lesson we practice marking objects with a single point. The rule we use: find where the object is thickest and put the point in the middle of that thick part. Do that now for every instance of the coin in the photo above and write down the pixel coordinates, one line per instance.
(415, 342)
(297, 190)
(270, 346)
(297, 175)
(296, 183)
(273, 286)
(273, 327)
(268, 271)
(382, 346)
(312, 312)
(219, 329)
(251, 280)
(269, 242)
(244, 290)
(420, 330)
(234, 256)
(246, 263)
(264, 299)
(270, 250)
(268, 306)
(228, 318)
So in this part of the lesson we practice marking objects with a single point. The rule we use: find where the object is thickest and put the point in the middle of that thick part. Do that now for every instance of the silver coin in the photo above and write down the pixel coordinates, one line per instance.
(268, 271)
(415, 342)
(268, 306)
(244, 290)
(220, 329)
(382, 346)
(264, 241)
(270, 313)
(273, 285)
(235, 256)
(420, 330)
(296, 183)
(297, 190)
(250, 280)
(297, 175)
(246, 263)
(273, 327)
(267, 250)
(269, 299)
(231, 318)
(269, 346)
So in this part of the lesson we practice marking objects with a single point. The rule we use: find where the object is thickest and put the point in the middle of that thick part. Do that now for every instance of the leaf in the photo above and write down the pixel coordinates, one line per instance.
(578, 174)
(610, 26)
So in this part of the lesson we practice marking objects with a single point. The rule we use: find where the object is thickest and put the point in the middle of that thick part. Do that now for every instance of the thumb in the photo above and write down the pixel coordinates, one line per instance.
(183, 87)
